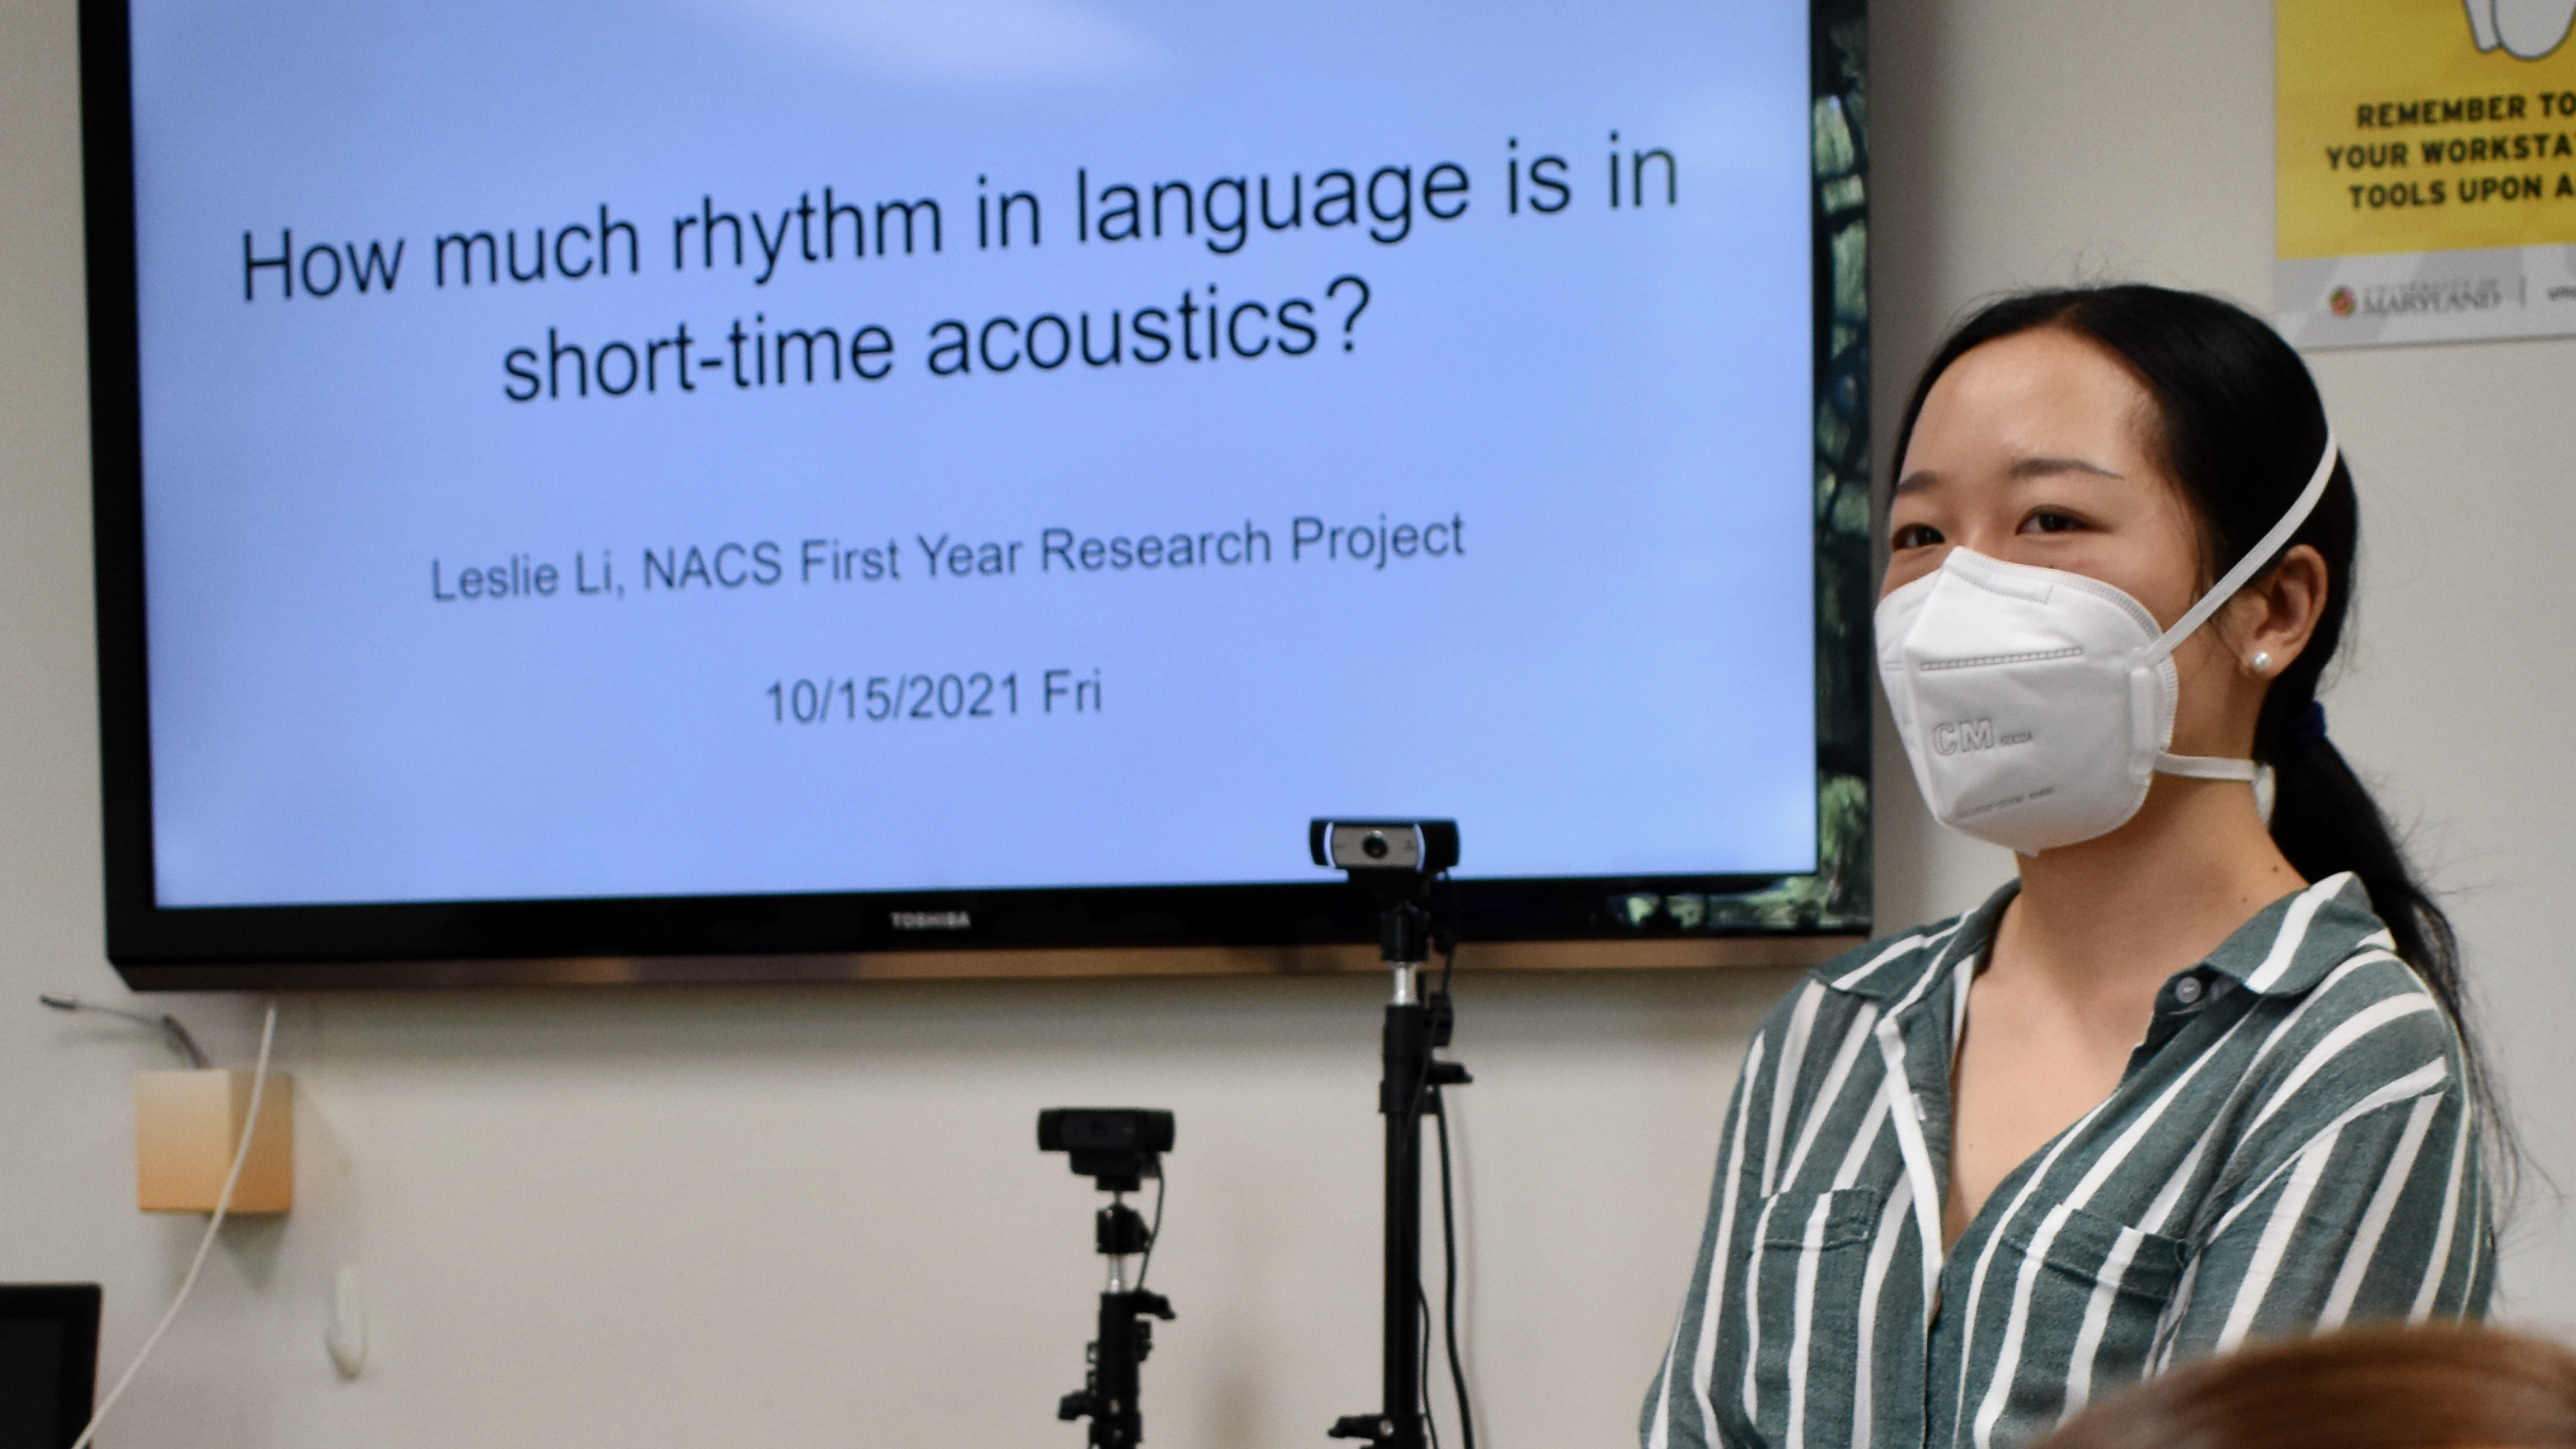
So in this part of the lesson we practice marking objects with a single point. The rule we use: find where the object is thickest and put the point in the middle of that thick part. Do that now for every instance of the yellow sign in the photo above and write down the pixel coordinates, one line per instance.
(2426, 168)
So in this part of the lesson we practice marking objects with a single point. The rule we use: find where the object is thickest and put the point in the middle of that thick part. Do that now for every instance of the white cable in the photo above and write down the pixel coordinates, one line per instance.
(223, 1205)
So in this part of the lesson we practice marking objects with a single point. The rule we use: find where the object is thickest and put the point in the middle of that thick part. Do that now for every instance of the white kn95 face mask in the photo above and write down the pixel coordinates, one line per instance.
(2036, 704)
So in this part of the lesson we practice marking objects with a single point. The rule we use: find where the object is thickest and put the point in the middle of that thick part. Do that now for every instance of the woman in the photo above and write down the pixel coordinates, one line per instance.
(2197, 1076)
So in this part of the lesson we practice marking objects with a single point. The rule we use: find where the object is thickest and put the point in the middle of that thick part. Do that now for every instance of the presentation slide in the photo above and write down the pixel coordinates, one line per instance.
(706, 447)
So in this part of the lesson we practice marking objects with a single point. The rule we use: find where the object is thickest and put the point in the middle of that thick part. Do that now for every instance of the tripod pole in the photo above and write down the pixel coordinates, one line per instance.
(1408, 1051)
(1108, 1396)
(1414, 1029)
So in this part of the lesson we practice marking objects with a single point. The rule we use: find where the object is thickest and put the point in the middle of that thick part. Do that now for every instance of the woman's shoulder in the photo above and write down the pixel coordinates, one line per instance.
(2339, 1023)
(2328, 967)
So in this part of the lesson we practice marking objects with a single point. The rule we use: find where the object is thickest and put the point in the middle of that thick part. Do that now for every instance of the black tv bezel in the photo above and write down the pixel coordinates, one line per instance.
(755, 937)
(74, 1307)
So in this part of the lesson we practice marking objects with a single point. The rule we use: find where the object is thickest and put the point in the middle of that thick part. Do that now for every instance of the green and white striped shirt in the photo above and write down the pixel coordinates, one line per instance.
(2292, 1147)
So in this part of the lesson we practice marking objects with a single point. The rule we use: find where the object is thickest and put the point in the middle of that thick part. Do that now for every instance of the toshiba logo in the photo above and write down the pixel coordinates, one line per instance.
(931, 920)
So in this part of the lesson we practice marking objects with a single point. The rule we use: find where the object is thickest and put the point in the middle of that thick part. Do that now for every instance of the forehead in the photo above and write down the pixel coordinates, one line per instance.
(2046, 391)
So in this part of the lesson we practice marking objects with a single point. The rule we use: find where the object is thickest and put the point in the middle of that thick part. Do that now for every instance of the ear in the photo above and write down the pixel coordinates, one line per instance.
(2278, 614)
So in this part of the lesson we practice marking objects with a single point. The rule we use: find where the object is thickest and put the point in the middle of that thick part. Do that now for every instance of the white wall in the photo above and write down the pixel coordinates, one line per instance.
(816, 1216)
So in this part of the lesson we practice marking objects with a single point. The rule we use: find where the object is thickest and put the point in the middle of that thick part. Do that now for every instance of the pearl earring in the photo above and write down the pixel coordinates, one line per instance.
(2262, 661)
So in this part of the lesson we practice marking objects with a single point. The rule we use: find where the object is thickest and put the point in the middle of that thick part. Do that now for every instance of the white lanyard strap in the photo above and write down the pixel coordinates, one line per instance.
(2205, 767)
(2237, 577)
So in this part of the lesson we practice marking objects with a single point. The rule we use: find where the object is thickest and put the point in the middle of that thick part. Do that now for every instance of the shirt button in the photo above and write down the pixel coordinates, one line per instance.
(2187, 990)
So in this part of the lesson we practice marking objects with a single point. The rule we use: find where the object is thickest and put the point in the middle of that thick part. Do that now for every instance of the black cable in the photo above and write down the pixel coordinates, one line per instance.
(1448, 942)
(1423, 1094)
(1437, 1106)
(1422, 1374)
(1449, 1250)
(1436, 1001)
(1153, 1234)
(173, 1034)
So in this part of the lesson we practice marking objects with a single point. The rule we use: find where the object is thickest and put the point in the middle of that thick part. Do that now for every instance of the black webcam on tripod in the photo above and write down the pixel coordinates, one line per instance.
(1119, 1147)
(1393, 860)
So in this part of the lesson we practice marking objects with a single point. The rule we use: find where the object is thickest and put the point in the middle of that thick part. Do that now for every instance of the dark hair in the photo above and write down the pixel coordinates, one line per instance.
(2242, 428)
(2385, 1388)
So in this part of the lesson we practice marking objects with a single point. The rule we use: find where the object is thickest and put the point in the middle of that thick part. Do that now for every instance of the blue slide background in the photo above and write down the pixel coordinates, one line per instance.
(1613, 676)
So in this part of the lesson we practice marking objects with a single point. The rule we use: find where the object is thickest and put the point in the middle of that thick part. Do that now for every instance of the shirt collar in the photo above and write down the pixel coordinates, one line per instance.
(1889, 970)
(2286, 949)
(2292, 943)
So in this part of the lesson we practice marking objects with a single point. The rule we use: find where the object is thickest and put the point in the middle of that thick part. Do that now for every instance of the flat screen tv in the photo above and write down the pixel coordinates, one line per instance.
(740, 489)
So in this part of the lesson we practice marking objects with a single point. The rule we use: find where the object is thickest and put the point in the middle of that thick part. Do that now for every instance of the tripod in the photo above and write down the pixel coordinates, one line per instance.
(1399, 873)
(1117, 1148)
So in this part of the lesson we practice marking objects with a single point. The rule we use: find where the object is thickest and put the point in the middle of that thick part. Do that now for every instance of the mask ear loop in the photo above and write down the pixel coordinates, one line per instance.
(2203, 767)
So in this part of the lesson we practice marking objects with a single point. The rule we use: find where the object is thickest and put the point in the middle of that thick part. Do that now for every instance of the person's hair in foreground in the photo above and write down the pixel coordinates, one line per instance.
(2240, 424)
(2382, 1388)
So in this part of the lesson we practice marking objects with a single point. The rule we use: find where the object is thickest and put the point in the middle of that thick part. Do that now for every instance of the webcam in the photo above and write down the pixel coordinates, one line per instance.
(1119, 1146)
(1415, 847)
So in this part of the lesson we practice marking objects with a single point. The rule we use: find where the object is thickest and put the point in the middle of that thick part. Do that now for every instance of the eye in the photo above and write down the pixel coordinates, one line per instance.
(1915, 535)
(2049, 520)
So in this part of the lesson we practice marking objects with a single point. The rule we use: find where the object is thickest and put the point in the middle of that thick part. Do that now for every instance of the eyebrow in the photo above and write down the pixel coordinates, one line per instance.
(2042, 467)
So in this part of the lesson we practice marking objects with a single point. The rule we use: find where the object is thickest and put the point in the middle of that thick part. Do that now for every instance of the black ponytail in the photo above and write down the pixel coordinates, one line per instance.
(2325, 820)
(2242, 428)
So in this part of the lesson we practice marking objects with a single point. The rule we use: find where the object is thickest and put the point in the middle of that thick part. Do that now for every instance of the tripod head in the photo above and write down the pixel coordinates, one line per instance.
(1395, 862)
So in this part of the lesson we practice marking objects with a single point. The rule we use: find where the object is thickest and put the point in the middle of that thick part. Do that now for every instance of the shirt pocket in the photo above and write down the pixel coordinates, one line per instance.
(1801, 1320)
(2099, 1288)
